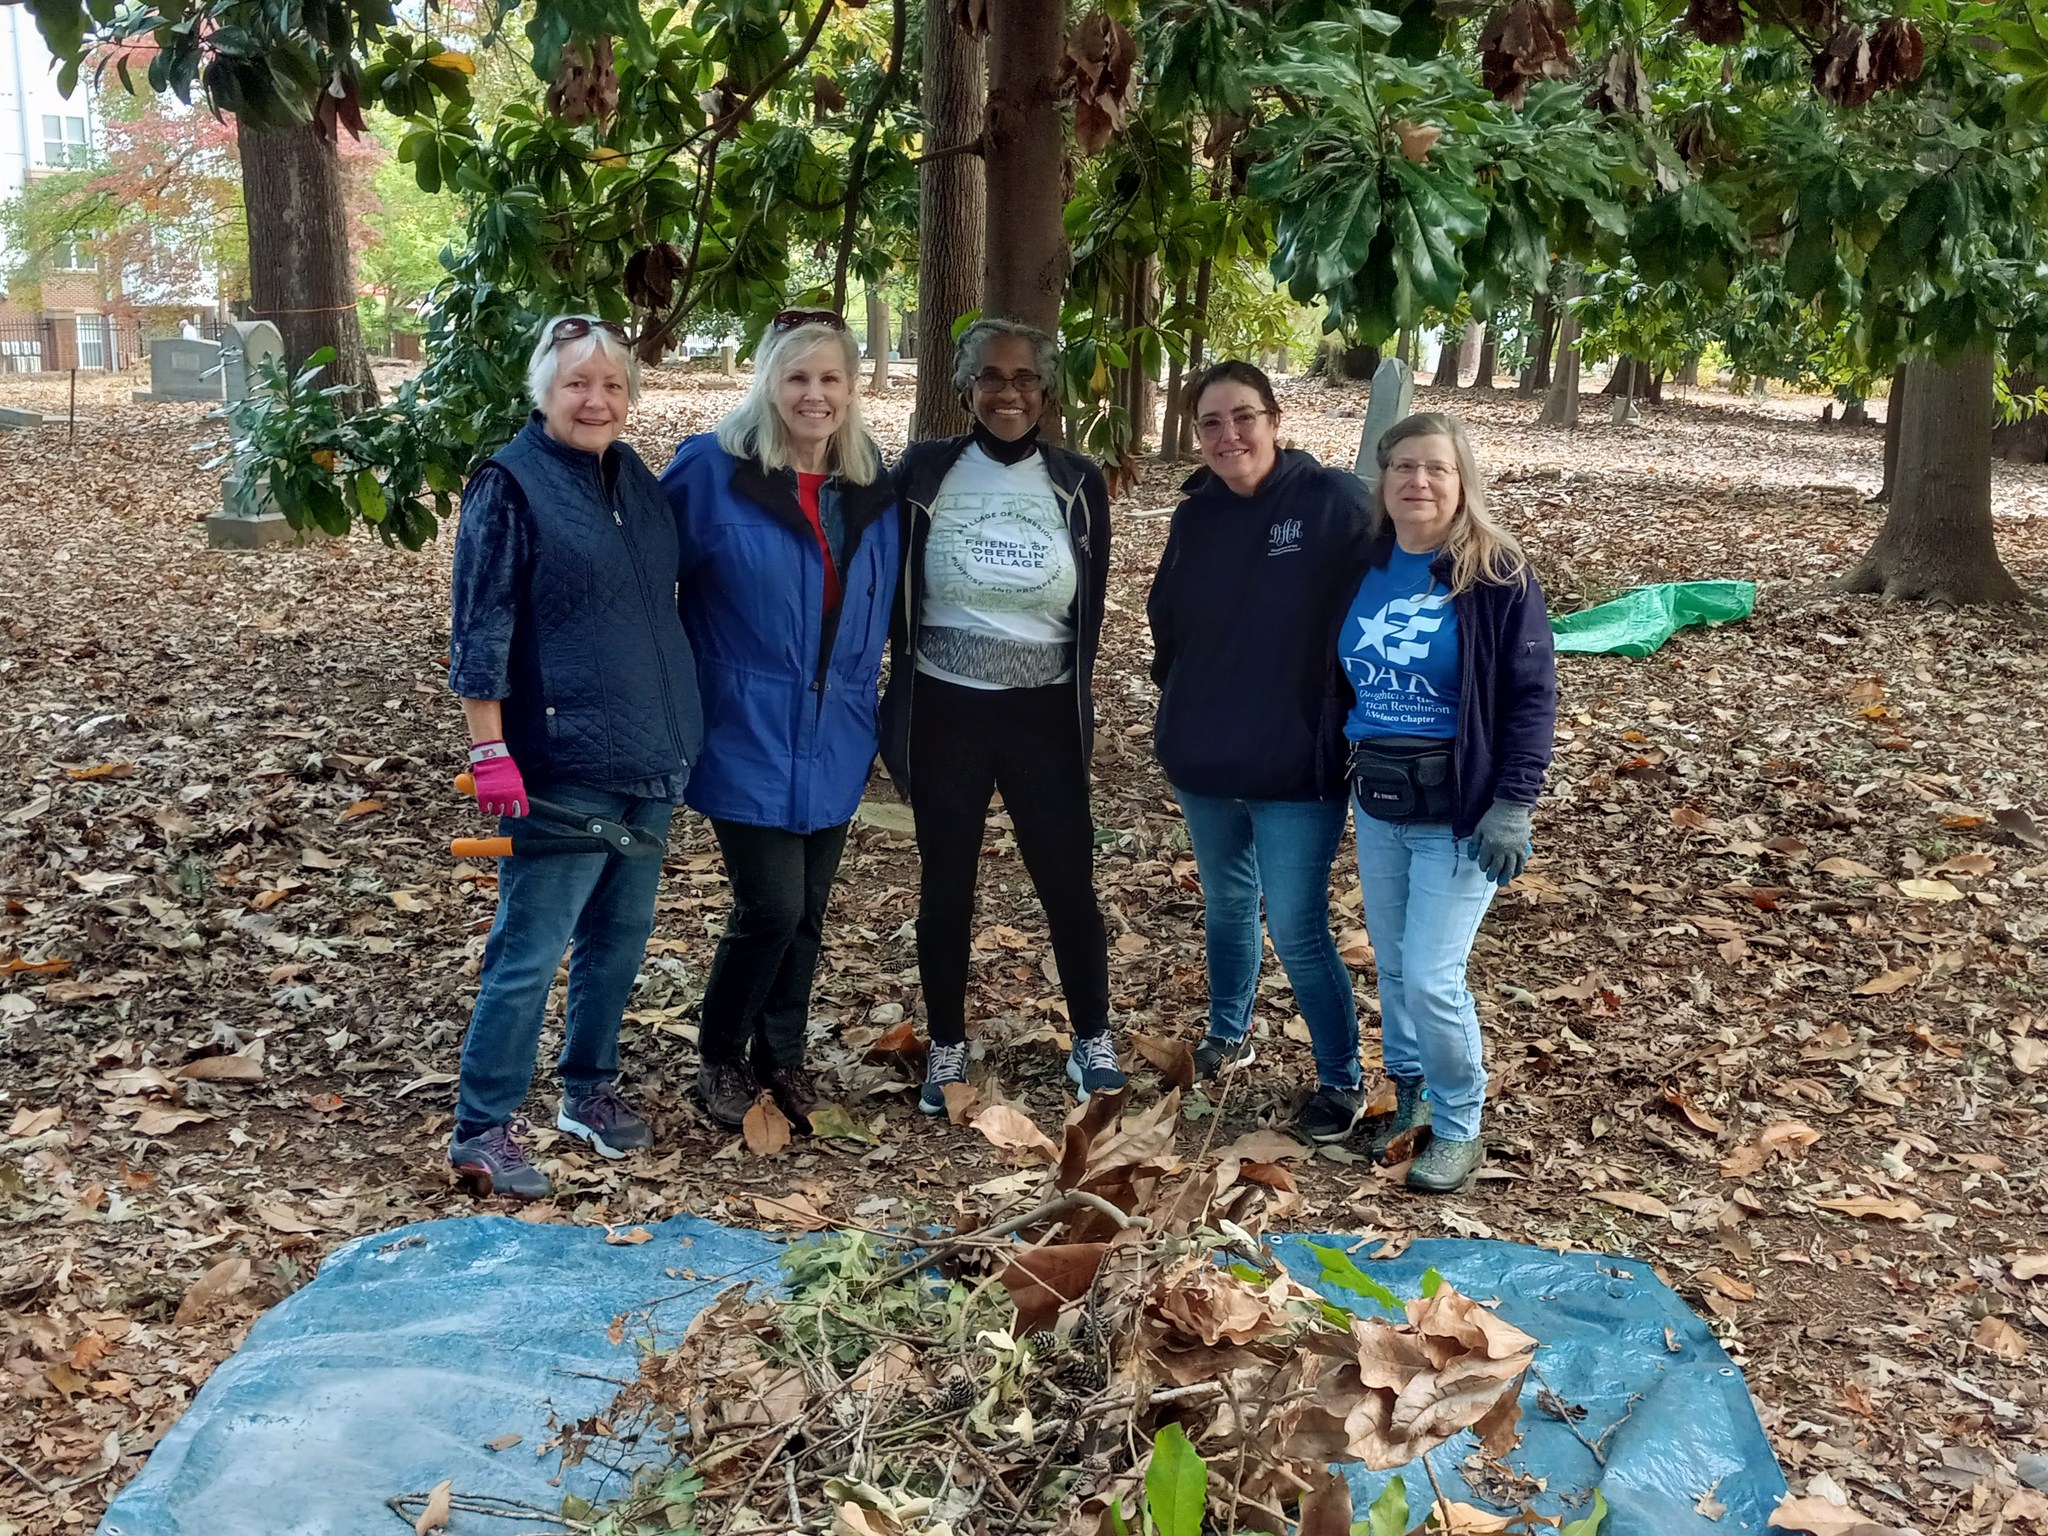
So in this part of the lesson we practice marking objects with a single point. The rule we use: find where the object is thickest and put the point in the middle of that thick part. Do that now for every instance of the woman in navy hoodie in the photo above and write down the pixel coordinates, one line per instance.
(790, 550)
(1262, 555)
(1450, 684)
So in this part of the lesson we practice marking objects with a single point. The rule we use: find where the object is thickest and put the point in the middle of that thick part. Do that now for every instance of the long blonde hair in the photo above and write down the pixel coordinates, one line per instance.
(1479, 547)
(754, 428)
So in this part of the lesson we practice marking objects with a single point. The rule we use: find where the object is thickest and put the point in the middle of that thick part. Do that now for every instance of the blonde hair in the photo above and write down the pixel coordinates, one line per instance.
(1480, 548)
(550, 357)
(755, 429)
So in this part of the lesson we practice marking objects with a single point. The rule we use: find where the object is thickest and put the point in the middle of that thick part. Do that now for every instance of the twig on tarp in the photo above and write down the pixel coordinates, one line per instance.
(489, 1504)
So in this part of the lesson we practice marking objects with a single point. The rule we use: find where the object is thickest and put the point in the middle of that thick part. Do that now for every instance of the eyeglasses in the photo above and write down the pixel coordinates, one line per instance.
(1401, 469)
(993, 383)
(575, 328)
(1211, 427)
(791, 319)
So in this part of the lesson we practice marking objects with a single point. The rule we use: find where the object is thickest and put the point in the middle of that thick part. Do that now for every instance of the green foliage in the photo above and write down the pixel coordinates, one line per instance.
(836, 1311)
(1176, 1485)
(1338, 1269)
(1389, 1513)
(1588, 1524)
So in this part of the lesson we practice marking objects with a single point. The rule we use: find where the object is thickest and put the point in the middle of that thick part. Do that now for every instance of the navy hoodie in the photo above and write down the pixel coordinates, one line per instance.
(1247, 595)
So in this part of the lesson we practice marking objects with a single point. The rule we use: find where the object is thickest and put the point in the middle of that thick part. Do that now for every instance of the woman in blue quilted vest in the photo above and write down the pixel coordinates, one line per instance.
(790, 551)
(576, 679)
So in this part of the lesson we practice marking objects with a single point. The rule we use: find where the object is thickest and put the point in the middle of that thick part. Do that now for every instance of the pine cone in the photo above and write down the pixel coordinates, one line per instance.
(1083, 1373)
(956, 1395)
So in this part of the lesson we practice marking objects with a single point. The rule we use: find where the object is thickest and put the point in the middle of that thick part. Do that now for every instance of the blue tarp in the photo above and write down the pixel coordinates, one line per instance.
(413, 1349)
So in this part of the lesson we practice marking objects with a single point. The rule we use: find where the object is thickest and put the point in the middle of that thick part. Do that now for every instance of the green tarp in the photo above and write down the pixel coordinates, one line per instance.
(1639, 621)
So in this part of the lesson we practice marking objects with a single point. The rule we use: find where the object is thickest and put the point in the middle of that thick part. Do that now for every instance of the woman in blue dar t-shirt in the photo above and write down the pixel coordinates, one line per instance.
(1447, 655)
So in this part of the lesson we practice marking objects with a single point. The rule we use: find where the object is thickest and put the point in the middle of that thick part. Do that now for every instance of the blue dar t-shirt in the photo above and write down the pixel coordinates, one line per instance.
(1400, 650)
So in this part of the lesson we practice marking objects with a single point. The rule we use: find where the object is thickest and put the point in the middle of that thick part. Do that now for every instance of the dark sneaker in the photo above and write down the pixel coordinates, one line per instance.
(604, 1120)
(947, 1064)
(1446, 1166)
(1091, 1064)
(727, 1090)
(1216, 1055)
(1332, 1113)
(1411, 1112)
(795, 1094)
(494, 1163)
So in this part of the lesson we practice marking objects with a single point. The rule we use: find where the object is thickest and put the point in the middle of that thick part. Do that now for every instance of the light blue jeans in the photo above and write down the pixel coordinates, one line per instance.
(1281, 849)
(1424, 898)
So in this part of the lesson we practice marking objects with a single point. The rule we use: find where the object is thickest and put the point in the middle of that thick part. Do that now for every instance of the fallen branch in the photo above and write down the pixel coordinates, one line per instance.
(1058, 1205)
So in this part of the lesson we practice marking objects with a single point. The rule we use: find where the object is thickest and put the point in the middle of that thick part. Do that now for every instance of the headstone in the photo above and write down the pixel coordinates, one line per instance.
(183, 370)
(15, 416)
(728, 359)
(1625, 413)
(243, 348)
(1393, 394)
(248, 518)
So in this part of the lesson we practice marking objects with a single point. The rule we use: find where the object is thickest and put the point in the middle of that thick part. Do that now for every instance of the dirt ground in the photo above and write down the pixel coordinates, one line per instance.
(1766, 1011)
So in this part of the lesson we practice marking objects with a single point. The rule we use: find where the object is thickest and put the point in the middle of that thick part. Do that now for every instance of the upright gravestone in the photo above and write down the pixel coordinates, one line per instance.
(1393, 393)
(182, 369)
(248, 518)
(243, 350)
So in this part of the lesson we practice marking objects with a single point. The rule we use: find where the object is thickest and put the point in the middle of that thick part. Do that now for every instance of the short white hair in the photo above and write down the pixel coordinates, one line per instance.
(549, 357)
(754, 429)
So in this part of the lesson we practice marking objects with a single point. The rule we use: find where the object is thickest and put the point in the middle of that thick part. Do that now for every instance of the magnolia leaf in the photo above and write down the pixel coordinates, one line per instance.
(1176, 1484)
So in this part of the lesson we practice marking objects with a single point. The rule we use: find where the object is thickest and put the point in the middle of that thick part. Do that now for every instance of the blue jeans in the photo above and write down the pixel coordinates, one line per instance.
(604, 907)
(1424, 898)
(1281, 849)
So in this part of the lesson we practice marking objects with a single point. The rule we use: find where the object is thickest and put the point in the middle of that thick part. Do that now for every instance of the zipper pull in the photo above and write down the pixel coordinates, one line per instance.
(618, 519)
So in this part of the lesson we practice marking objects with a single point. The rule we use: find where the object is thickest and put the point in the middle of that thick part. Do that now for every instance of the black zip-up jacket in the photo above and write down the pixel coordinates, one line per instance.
(1084, 498)
(1242, 610)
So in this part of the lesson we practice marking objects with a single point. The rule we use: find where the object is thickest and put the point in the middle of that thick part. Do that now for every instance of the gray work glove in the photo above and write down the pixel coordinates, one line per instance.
(1500, 843)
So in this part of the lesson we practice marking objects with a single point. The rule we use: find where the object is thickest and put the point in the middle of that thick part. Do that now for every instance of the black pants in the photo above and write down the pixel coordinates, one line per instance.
(965, 744)
(759, 993)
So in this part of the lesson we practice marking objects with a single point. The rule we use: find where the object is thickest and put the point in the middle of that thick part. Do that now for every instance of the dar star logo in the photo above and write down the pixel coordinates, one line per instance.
(1399, 629)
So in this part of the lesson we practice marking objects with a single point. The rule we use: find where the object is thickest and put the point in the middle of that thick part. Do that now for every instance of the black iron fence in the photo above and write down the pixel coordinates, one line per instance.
(54, 343)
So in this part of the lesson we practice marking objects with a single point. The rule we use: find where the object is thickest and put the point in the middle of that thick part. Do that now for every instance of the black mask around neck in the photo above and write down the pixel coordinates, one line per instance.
(1002, 450)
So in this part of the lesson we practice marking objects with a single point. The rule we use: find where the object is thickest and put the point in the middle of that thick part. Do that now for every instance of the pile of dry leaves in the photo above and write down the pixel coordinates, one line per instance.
(1027, 1368)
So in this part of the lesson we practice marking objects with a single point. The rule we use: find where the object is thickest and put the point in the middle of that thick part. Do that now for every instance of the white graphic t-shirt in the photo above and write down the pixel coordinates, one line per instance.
(999, 578)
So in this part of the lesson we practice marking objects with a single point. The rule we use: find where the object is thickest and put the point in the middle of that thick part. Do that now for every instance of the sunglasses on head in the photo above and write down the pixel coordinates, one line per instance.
(791, 319)
(575, 328)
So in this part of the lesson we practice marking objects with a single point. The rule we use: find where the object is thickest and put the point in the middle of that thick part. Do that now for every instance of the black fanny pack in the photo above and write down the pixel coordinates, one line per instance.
(1402, 778)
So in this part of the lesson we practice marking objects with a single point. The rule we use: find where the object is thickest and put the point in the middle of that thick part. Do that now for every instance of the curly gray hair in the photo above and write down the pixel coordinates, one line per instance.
(971, 350)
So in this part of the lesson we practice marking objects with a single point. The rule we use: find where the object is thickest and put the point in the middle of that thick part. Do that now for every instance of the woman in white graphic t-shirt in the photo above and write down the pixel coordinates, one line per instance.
(999, 611)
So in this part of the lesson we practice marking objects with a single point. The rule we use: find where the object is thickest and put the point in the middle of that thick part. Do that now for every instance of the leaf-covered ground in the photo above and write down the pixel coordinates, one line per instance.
(1767, 1011)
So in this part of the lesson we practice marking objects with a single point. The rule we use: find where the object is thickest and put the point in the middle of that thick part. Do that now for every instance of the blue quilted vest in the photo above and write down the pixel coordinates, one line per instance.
(604, 686)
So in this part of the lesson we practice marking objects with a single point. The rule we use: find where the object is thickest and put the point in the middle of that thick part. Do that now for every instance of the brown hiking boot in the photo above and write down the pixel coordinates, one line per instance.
(727, 1090)
(795, 1094)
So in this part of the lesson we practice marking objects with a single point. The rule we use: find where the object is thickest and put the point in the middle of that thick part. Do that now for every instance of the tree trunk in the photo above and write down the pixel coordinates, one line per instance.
(1198, 344)
(1470, 341)
(1483, 369)
(1169, 425)
(950, 213)
(1894, 422)
(1936, 544)
(878, 338)
(1689, 374)
(1024, 251)
(1631, 377)
(1542, 328)
(2024, 441)
(1561, 404)
(301, 276)
(1134, 383)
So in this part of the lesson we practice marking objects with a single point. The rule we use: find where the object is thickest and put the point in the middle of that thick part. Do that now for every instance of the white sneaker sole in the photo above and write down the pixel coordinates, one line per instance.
(598, 1144)
(1080, 1088)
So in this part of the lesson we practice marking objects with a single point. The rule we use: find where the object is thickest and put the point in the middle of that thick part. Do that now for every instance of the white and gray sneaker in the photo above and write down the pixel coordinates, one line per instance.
(1092, 1066)
(947, 1064)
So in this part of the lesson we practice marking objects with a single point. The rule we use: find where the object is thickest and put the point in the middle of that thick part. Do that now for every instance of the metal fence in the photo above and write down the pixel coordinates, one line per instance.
(98, 342)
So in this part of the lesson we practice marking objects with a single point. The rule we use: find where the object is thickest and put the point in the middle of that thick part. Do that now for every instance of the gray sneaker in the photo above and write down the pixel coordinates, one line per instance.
(604, 1120)
(493, 1163)
(1092, 1066)
(1411, 1112)
(1216, 1055)
(1446, 1166)
(947, 1064)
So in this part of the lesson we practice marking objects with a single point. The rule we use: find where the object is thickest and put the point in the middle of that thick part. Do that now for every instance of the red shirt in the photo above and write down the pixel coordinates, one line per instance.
(807, 497)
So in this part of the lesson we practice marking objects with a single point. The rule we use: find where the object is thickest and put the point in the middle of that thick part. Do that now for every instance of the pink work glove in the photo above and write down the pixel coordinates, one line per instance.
(500, 791)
